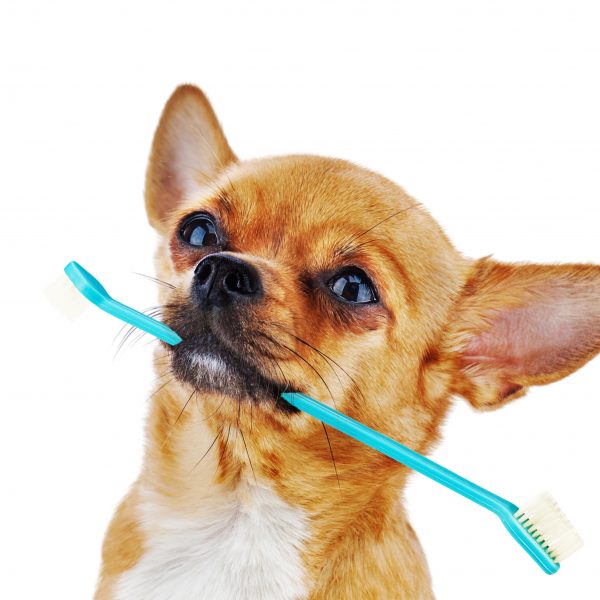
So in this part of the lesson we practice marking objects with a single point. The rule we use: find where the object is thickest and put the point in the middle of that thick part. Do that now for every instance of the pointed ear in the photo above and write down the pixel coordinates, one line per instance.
(520, 325)
(189, 149)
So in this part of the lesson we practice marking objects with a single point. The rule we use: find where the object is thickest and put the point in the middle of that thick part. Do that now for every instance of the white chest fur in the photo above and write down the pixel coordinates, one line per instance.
(245, 548)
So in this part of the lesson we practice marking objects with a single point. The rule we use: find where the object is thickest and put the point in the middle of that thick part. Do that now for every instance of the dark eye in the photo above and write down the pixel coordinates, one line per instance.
(353, 285)
(199, 230)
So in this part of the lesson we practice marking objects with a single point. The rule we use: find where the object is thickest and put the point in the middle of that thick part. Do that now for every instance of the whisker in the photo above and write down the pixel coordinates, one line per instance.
(161, 387)
(164, 359)
(332, 457)
(135, 340)
(157, 379)
(363, 244)
(248, 455)
(275, 362)
(129, 333)
(325, 356)
(283, 346)
(216, 410)
(183, 409)
(120, 332)
(153, 311)
(237, 427)
(331, 361)
(208, 450)
(224, 449)
(156, 280)
(172, 428)
(314, 369)
(346, 247)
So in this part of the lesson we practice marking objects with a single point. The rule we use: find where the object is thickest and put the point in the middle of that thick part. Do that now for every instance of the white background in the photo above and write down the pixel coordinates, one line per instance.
(487, 112)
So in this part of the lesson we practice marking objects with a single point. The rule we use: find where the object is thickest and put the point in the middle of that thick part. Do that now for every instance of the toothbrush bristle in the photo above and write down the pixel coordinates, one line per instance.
(66, 298)
(548, 525)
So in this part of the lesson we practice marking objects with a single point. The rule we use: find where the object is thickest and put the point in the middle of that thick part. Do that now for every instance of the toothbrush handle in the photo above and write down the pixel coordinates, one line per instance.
(139, 320)
(95, 292)
(401, 453)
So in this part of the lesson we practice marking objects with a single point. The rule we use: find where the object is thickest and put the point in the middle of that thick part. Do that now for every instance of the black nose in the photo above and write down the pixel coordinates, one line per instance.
(220, 279)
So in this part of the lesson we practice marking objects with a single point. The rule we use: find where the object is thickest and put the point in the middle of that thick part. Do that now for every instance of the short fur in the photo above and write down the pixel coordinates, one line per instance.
(221, 446)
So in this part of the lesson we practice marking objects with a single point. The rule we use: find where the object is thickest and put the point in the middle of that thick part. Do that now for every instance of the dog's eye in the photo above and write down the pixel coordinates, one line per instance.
(353, 285)
(199, 230)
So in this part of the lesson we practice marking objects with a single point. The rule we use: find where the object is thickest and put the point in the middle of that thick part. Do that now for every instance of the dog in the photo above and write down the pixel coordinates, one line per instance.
(316, 275)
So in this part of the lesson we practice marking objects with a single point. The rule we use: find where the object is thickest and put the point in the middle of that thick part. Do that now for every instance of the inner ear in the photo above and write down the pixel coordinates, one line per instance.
(188, 151)
(522, 325)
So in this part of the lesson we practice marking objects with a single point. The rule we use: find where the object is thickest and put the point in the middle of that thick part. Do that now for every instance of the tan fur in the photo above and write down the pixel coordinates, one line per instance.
(444, 326)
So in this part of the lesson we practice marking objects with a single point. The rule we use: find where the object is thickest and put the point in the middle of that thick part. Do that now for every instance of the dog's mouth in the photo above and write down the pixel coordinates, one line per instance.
(205, 363)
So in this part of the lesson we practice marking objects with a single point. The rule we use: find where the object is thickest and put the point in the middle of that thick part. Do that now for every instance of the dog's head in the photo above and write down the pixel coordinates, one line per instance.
(312, 274)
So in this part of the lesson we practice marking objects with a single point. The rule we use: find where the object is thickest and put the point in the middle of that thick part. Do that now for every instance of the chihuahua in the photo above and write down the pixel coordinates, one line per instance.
(312, 274)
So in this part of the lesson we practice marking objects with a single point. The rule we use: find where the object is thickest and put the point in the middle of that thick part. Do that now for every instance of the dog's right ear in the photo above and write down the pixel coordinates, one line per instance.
(518, 325)
(189, 149)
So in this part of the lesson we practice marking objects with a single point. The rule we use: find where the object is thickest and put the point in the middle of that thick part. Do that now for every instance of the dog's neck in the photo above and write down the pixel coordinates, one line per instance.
(331, 520)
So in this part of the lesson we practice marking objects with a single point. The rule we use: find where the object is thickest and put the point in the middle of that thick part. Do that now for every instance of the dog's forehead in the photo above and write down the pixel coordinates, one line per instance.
(308, 195)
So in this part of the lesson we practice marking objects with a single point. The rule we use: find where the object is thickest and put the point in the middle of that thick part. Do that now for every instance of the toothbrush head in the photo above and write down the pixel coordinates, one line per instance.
(550, 527)
(544, 532)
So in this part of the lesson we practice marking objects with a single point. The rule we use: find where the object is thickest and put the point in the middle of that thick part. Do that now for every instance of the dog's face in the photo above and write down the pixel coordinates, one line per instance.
(303, 273)
(311, 274)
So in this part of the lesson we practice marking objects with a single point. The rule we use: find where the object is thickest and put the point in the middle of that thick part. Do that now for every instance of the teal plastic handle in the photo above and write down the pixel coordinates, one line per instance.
(501, 507)
(94, 291)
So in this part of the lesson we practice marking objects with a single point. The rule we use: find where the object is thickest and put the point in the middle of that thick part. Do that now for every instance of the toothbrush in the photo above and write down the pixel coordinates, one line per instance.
(540, 528)
(94, 291)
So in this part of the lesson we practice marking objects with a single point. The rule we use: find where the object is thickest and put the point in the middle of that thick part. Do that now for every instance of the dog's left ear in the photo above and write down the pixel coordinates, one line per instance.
(189, 150)
(520, 325)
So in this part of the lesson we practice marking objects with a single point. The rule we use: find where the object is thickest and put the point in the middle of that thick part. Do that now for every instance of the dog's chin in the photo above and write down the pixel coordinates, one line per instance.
(208, 366)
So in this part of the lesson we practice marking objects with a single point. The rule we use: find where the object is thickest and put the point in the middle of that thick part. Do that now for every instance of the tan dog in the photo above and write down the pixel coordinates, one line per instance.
(312, 274)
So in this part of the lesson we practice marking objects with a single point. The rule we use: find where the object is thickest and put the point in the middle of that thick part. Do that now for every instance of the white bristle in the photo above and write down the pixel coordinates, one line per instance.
(549, 526)
(66, 298)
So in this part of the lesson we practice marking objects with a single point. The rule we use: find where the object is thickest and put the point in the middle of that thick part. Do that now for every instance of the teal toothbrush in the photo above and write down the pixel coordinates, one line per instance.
(541, 529)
